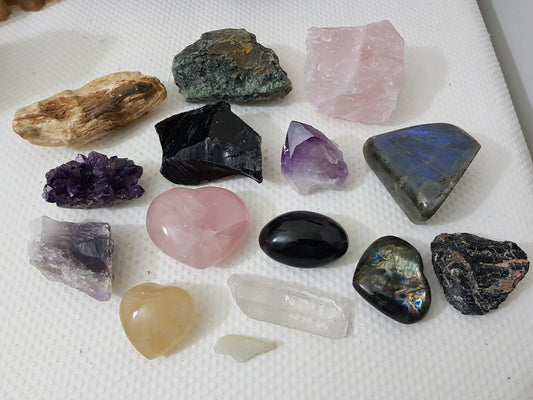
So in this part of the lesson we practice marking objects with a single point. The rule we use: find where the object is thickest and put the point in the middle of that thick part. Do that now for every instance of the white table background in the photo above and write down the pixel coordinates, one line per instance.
(57, 343)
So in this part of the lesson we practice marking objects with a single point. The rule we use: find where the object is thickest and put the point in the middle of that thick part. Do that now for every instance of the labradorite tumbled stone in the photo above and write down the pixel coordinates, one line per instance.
(421, 165)
(303, 239)
(389, 276)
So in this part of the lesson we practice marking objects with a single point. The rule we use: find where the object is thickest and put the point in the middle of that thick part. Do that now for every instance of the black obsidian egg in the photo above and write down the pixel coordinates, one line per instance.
(303, 239)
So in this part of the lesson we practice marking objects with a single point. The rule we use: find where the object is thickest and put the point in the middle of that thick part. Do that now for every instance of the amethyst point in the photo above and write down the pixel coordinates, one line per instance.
(310, 161)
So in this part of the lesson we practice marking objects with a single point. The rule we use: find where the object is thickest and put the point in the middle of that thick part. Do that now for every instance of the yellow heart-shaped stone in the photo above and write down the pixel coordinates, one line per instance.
(156, 318)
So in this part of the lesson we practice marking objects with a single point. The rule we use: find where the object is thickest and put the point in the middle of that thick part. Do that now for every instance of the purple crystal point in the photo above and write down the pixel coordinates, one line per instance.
(93, 181)
(310, 161)
(78, 255)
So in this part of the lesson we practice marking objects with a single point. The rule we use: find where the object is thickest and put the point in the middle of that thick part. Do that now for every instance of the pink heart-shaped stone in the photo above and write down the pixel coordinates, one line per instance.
(198, 227)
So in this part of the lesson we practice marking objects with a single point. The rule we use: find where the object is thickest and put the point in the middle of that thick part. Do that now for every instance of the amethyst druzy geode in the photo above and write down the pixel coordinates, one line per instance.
(310, 161)
(93, 181)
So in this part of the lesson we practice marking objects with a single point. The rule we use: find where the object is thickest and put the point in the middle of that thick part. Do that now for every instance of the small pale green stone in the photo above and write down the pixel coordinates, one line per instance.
(242, 348)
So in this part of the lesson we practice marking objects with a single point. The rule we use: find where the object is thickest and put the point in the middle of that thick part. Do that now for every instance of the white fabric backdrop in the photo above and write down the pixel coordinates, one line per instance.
(57, 343)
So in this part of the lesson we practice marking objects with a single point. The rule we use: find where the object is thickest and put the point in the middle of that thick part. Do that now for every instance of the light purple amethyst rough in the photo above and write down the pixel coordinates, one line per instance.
(93, 181)
(76, 254)
(310, 161)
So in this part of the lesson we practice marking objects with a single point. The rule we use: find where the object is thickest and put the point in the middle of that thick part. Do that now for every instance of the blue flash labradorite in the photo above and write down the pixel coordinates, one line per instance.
(390, 276)
(303, 239)
(421, 165)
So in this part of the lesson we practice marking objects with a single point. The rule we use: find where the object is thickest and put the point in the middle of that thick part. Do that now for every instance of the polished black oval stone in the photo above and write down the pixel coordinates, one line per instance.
(303, 239)
(389, 276)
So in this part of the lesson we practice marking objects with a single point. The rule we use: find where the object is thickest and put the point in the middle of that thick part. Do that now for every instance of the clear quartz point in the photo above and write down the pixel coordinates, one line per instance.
(278, 303)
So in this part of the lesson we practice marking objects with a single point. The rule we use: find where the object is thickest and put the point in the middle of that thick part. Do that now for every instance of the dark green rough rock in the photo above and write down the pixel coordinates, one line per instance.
(229, 65)
(477, 274)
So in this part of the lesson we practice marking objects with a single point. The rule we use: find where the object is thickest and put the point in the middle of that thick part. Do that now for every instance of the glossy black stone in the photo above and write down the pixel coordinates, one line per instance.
(208, 143)
(303, 239)
(389, 276)
(421, 165)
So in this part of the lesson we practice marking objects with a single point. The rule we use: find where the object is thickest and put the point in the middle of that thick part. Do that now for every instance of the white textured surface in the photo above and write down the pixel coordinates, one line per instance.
(56, 343)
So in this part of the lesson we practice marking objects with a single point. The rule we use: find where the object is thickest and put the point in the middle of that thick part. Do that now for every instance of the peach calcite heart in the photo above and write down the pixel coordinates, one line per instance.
(198, 227)
(156, 318)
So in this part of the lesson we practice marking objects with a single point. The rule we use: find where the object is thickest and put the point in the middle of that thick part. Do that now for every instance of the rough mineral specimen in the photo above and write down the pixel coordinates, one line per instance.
(76, 117)
(230, 65)
(198, 227)
(389, 276)
(310, 161)
(281, 304)
(303, 239)
(156, 318)
(78, 255)
(242, 348)
(355, 73)
(477, 274)
(93, 181)
(421, 165)
(208, 143)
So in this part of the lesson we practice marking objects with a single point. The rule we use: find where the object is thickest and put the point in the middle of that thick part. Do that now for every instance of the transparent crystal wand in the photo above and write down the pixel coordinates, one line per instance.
(275, 302)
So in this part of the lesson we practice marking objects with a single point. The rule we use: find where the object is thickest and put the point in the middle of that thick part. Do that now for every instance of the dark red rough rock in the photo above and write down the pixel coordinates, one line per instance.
(477, 274)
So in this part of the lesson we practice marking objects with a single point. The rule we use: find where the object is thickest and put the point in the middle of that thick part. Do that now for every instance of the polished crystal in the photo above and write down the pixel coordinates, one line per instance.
(421, 165)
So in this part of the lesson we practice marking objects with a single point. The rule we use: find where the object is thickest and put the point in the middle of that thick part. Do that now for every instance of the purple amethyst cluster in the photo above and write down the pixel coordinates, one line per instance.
(93, 181)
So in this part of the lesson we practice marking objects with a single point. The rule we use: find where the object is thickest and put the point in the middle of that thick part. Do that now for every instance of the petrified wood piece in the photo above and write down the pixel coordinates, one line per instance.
(76, 117)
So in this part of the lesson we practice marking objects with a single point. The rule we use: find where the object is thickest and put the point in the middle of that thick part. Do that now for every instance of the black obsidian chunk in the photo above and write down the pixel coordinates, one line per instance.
(303, 239)
(208, 143)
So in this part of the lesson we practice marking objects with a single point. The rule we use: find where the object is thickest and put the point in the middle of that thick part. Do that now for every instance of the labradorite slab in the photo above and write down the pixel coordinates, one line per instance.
(229, 65)
(390, 276)
(421, 165)
(477, 274)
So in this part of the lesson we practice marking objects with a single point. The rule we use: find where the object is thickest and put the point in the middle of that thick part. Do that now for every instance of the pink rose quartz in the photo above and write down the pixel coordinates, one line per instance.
(198, 227)
(355, 73)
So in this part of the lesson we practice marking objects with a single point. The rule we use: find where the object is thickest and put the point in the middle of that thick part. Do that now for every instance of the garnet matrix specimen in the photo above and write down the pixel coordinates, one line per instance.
(230, 65)
(282, 304)
(477, 274)
(421, 165)
(93, 181)
(389, 276)
(78, 255)
(198, 227)
(310, 161)
(208, 143)
(355, 73)
(303, 239)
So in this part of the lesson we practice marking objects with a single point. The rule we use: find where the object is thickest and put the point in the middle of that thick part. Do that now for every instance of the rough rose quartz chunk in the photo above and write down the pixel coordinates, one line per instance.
(198, 227)
(355, 73)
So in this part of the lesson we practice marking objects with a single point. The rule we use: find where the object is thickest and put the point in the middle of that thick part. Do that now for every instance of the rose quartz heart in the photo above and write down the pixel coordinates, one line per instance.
(198, 227)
